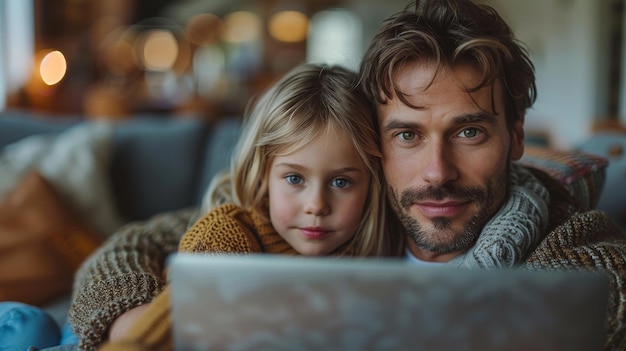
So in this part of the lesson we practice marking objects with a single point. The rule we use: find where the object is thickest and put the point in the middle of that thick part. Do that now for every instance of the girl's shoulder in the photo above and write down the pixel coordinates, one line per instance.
(228, 210)
(227, 229)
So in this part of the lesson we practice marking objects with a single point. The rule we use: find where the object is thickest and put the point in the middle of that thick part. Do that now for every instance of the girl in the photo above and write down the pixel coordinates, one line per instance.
(305, 179)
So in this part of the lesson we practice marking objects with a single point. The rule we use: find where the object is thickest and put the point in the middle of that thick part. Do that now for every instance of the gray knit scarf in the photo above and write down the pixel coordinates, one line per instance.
(515, 230)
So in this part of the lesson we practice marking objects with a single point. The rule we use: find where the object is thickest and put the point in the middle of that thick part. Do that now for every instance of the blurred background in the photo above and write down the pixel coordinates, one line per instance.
(116, 59)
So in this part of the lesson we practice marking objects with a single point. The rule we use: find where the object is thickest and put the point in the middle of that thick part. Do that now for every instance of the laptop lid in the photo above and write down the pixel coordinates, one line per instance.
(268, 302)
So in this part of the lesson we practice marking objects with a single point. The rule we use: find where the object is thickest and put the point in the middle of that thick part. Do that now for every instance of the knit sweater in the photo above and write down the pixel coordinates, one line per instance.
(585, 241)
(125, 272)
(226, 229)
(573, 240)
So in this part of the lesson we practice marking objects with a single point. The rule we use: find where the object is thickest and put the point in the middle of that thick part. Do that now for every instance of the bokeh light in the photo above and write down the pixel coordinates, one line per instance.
(204, 29)
(335, 37)
(53, 67)
(120, 58)
(241, 27)
(289, 26)
(160, 50)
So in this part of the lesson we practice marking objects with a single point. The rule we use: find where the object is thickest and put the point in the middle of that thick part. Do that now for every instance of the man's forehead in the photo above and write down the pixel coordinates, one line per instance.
(426, 84)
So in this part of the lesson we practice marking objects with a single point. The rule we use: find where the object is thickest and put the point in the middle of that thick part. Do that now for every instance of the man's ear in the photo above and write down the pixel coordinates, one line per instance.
(517, 140)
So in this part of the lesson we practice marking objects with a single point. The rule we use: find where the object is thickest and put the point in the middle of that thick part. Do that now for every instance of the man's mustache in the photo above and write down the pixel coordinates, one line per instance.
(450, 192)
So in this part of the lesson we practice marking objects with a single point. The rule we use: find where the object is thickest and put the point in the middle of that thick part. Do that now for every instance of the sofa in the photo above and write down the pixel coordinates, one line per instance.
(106, 174)
(91, 178)
(611, 144)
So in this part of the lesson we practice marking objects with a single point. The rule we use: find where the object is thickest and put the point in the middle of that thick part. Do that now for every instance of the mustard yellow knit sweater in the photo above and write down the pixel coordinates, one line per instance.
(226, 229)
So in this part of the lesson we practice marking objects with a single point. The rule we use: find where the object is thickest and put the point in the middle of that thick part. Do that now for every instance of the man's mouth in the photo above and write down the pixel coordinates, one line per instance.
(441, 208)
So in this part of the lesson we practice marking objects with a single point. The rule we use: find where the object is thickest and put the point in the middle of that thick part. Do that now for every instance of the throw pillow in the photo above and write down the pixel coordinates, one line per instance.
(42, 243)
(76, 163)
(581, 173)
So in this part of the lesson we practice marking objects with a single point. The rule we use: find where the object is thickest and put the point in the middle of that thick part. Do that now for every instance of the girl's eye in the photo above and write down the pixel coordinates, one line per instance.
(469, 133)
(406, 136)
(340, 183)
(294, 179)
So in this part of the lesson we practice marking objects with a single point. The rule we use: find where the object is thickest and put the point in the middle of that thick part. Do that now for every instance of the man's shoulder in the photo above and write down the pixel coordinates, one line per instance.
(593, 223)
(585, 240)
(589, 241)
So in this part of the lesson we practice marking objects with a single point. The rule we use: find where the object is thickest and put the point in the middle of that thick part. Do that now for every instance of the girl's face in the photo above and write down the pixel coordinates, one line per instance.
(317, 194)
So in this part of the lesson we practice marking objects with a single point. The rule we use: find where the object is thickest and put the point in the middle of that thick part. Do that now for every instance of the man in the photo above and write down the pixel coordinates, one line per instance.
(451, 86)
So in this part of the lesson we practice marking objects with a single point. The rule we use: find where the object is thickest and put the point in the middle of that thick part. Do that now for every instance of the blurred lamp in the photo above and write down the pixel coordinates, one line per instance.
(241, 27)
(204, 29)
(335, 37)
(53, 67)
(289, 26)
(160, 50)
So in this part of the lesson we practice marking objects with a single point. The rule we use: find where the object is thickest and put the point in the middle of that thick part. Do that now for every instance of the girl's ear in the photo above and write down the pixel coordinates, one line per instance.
(517, 140)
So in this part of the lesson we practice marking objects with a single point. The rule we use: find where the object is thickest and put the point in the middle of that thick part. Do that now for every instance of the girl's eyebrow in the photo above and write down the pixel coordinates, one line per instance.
(291, 165)
(304, 168)
(349, 169)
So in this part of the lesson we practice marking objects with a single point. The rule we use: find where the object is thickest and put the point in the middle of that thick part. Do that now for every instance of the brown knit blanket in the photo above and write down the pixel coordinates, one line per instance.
(586, 241)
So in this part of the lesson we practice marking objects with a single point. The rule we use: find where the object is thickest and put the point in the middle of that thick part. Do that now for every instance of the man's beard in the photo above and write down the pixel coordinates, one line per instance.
(445, 240)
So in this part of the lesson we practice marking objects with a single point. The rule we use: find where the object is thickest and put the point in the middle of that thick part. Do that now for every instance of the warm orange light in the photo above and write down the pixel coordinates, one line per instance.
(289, 26)
(241, 27)
(119, 58)
(53, 67)
(160, 50)
(204, 29)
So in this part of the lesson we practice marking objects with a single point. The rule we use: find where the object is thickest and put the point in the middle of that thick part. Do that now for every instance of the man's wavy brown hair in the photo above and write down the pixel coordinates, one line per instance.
(448, 33)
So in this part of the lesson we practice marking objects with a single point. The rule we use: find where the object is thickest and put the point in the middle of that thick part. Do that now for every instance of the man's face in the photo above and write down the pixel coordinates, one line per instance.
(446, 162)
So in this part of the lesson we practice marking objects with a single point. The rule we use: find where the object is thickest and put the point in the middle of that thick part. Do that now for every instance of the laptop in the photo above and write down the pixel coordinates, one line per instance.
(269, 302)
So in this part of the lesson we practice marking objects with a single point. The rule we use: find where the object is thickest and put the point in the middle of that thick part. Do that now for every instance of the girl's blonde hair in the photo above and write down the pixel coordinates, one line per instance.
(305, 102)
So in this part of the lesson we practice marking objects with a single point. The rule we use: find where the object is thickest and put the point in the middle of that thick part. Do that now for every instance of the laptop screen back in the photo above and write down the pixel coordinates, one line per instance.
(264, 302)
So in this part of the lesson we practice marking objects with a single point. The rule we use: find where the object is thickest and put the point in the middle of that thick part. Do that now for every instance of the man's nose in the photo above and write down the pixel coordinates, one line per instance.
(317, 203)
(439, 165)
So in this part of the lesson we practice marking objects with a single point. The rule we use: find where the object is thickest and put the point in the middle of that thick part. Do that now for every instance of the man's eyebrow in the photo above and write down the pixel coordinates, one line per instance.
(395, 124)
(463, 119)
(476, 118)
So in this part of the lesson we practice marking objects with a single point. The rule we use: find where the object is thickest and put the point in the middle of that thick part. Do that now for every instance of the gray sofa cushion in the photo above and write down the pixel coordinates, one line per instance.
(155, 160)
(155, 165)
(217, 152)
(15, 125)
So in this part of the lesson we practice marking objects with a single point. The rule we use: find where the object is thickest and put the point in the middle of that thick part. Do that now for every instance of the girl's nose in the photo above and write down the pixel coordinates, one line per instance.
(317, 204)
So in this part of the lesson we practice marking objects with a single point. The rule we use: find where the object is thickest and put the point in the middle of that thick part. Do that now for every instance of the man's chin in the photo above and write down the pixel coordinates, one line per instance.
(442, 224)
(442, 239)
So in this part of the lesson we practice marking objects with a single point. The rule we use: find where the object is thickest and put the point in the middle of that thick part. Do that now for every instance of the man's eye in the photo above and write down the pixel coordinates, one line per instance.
(469, 133)
(294, 179)
(406, 136)
(340, 183)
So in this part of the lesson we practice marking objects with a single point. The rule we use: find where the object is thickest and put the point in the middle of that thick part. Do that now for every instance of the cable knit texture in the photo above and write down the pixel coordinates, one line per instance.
(585, 241)
(127, 271)
(517, 227)
(229, 229)
(570, 247)
(226, 229)
(573, 240)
